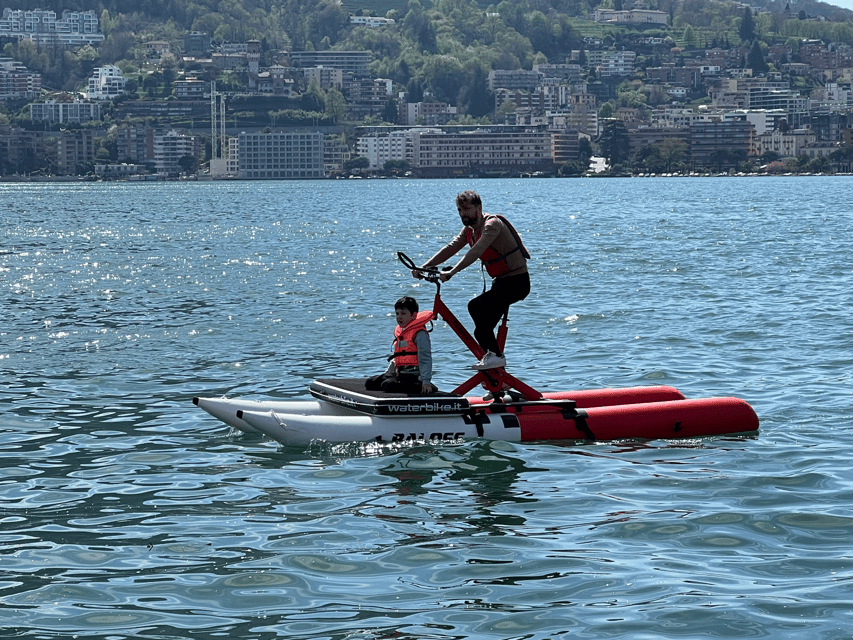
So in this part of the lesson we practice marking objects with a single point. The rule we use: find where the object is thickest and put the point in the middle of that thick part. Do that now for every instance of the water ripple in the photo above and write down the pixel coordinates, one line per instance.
(127, 513)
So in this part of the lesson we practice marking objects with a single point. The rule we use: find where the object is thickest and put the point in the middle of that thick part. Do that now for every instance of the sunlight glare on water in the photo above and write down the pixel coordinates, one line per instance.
(129, 513)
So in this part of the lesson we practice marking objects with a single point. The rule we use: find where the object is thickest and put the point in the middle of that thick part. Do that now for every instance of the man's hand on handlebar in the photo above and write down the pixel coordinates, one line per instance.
(430, 274)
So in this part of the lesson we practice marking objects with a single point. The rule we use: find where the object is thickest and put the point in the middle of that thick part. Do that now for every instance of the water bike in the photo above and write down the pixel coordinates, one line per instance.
(343, 410)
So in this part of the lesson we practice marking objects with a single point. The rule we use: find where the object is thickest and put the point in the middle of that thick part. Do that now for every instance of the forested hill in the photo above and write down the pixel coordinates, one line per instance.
(445, 47)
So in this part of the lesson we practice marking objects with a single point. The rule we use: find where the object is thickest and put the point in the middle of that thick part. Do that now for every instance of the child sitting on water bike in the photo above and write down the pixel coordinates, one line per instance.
(410, 368)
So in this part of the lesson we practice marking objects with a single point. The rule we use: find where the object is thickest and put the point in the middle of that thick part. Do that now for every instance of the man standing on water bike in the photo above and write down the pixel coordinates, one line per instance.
(494, 241)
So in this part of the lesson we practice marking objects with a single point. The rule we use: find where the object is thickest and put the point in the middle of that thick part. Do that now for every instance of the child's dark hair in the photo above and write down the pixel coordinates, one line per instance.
(407, 302)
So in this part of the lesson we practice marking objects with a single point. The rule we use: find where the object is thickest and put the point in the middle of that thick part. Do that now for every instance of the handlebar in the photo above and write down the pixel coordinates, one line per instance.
(430, 274)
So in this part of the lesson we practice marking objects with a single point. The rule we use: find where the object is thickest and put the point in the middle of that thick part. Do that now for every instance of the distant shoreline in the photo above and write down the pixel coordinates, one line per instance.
(600, 176)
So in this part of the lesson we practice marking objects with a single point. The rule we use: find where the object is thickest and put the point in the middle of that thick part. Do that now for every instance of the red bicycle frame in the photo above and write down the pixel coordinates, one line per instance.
(494, 380)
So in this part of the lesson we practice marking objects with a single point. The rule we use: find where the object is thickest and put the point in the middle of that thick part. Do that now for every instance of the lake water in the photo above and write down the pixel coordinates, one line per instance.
(126, 512)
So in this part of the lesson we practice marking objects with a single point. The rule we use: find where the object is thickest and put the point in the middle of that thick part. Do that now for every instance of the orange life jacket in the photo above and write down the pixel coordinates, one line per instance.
(496, 264)
(405, 349)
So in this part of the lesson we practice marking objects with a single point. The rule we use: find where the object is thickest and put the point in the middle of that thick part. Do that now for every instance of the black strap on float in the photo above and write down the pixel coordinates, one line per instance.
(477, 418)
(579, 416)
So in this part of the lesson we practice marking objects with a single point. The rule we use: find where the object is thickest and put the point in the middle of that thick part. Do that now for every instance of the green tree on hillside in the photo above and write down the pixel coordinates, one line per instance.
(746, 31)
(614, 142)
(335, 105)
(755, 60)
(475, 97)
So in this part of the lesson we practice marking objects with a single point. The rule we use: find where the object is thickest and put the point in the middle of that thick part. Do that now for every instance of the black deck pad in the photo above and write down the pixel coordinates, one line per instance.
(350, 392)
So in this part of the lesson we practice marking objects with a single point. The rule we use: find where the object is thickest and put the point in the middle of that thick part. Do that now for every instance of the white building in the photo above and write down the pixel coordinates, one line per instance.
(764, 120)
(169, 148)
(379, 148)
(65, 112)
(232, 162)
(617, 63)
(325, 77)
(106, 83)
(370, 21)
(831, 97)
(788, 145)
(631, 16)
(445, 154)
(39, 25)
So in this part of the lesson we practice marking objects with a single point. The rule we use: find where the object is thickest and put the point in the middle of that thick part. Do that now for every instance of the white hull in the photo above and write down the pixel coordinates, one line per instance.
(559, 415)
(300, 429)
(225, 409)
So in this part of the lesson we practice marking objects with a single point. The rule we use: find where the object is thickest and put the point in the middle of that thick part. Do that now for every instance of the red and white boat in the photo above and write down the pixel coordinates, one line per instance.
(344, 411)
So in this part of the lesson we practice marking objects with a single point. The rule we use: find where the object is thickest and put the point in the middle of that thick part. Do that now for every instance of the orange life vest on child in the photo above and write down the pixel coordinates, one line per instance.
(496, 264)
(405, 349)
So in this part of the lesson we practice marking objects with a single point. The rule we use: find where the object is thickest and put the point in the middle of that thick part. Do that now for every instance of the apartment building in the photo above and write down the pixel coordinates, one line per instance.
(190, 88)
(443, 154)
(762, 120)
(135, 144)
(581, 117)
(379, 148)
(565, 146)
(106, 83)
(652, 136)
(789, 144)
(42, 26)
(20, 149)
(64, 112)
(536, 101)
(708, 139)
(371, 21)
(367, 96)
(335, 154)
(562, 73)
(354, 61)
(75, 151)
(282, 155)
(765, 96)
(617, 63)
(325, 77)
(830, 126)
(196, 44)
(17, 82)
(818, 55)
(170, 147)
(232, 162)
(668, 73)
(515, 79)
(428, 113)
(547, 98)
(831, 97)
(631, 16)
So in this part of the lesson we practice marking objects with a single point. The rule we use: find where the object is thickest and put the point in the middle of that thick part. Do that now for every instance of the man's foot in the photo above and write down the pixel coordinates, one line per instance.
(492, 395)
(490, 361)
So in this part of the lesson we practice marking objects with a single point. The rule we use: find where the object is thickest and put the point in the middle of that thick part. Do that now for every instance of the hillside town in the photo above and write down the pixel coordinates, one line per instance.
(647, 105)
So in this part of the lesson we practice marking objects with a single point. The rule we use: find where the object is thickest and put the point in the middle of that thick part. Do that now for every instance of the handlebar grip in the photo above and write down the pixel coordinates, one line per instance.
(406, 260)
